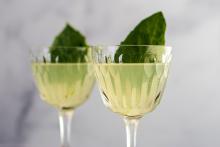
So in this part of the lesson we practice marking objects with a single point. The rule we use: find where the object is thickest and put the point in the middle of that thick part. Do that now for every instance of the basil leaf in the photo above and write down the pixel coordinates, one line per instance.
(64, 47)
(150, 31)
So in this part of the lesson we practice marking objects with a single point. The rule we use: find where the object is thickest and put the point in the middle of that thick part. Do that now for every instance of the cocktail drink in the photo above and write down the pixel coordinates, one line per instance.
(131, 85)
(64, 85)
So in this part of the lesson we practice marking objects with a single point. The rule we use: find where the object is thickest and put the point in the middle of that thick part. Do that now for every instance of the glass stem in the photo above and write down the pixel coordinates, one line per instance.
(65, 119)
(131, 125)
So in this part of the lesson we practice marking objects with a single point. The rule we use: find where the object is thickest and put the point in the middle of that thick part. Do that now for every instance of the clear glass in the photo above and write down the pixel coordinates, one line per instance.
(131, 80)
(64, 77)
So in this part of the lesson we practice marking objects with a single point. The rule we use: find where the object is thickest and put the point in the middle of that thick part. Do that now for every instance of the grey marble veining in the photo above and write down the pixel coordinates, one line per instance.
(189, 112)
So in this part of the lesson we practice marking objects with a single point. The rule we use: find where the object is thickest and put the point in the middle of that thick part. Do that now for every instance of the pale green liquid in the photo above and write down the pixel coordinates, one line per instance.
(64, 86)
(131, 89)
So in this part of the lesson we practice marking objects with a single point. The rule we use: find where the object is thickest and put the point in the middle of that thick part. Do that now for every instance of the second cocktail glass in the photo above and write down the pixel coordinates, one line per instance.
(131, 80)
(64, 77)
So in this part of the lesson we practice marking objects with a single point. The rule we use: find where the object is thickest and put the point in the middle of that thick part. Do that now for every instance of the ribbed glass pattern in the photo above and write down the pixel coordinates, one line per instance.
(64, 85)
(131, 89)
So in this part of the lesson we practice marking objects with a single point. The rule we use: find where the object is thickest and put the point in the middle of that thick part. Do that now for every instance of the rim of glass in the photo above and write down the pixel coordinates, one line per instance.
(43, 47)
(110, 46)
(130, 45)
(39, 49)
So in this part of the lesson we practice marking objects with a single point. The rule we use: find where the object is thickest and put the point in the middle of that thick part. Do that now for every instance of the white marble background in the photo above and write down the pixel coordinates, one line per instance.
(189, 115)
